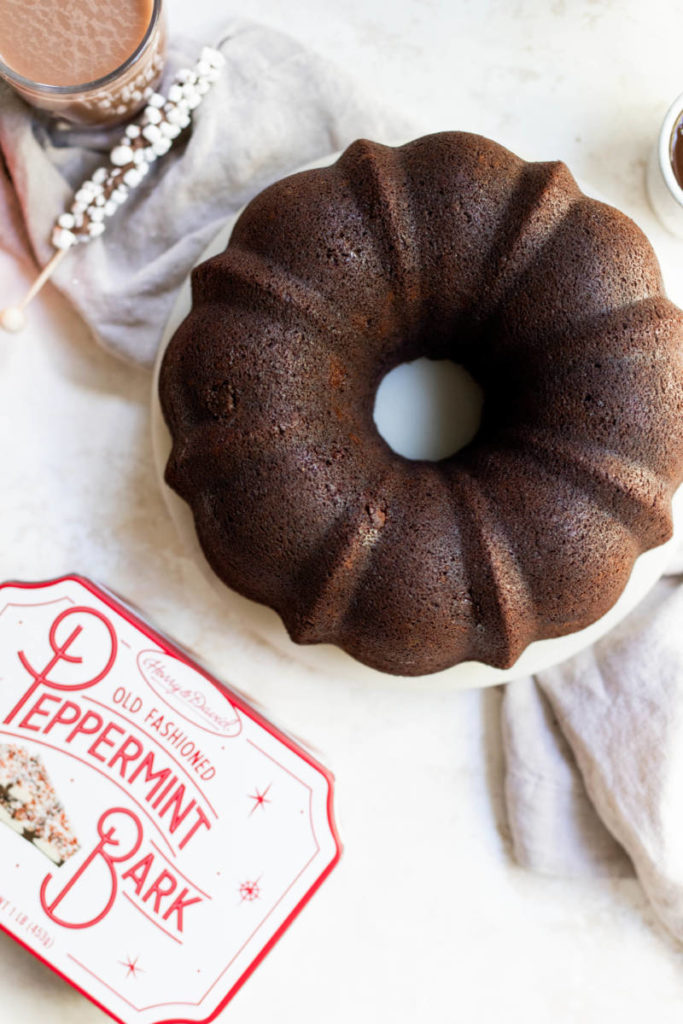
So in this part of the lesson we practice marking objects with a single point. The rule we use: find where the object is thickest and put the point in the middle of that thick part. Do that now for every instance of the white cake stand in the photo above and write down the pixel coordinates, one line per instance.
(331, 660)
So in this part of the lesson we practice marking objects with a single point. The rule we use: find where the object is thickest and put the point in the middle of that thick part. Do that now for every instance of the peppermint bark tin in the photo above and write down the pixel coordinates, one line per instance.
(157, 834)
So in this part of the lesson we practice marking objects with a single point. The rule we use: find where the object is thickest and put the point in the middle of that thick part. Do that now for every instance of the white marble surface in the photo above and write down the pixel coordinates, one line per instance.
(426, 917)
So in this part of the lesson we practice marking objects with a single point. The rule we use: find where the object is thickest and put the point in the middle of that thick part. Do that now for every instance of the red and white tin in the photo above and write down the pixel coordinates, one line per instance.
(157, 834)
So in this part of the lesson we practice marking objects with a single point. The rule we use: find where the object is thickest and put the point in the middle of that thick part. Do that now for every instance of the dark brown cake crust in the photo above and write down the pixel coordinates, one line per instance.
(448, 247)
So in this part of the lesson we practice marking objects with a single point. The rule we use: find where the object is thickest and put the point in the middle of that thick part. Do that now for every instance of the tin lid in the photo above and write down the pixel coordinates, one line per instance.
(157, 834)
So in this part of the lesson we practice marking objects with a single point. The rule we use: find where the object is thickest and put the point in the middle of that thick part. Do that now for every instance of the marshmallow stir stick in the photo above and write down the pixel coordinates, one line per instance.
(143, 142)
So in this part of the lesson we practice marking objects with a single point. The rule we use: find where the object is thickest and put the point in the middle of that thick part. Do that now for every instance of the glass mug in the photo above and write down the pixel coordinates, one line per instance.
(114, 49)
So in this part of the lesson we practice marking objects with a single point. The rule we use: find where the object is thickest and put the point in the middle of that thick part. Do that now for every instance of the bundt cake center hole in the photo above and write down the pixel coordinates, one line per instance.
(428, 409)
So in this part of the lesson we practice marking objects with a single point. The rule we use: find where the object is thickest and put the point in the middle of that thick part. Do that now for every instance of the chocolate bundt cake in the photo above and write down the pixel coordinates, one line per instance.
(449, 247)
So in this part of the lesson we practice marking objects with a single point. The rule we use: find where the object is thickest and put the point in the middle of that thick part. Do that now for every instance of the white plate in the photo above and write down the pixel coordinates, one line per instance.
(331, 660)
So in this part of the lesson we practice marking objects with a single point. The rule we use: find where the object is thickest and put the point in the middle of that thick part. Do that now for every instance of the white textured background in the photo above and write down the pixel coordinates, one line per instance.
(426, 918)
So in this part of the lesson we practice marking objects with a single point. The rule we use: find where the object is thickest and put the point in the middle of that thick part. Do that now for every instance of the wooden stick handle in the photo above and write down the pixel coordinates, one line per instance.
(44, 276)
(12, 319)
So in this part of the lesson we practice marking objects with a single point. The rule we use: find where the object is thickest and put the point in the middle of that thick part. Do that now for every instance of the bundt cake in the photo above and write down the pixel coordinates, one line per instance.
(449, 247)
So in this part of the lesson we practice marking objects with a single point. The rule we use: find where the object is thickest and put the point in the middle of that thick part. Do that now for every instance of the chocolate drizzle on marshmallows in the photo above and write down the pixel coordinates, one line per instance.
(143, 142)
(151, 137)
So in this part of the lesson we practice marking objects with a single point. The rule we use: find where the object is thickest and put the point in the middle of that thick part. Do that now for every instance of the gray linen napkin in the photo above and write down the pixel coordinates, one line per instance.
(594, 756)
(277, 106)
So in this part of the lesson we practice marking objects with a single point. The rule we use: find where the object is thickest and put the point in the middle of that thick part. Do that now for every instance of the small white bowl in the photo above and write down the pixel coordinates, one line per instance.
(665, 194)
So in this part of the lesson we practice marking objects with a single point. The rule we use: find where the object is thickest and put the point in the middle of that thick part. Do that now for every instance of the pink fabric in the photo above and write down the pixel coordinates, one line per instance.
(13, 237)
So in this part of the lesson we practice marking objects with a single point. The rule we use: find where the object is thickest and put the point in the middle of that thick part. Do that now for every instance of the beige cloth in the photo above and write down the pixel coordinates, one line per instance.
(276, 106)
(594, 756)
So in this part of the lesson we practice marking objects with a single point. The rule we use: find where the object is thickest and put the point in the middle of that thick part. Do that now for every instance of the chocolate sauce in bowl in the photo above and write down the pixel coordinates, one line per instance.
(676, 149)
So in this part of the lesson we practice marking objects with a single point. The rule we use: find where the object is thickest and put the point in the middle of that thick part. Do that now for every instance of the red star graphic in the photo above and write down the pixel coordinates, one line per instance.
(259, 798)
(250, 891)
(131, 967)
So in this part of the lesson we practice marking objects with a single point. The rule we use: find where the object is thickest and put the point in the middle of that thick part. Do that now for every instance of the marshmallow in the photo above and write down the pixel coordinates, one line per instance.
(170, 131)
(63, 239)
(151, 132)
(175, 115)
(121, 155)
(132, 177)
(213, 57)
